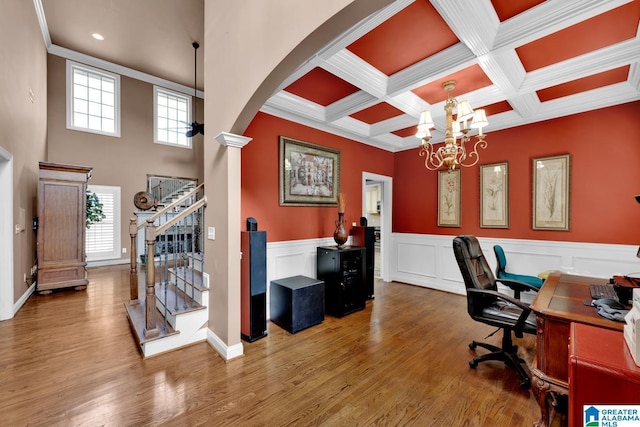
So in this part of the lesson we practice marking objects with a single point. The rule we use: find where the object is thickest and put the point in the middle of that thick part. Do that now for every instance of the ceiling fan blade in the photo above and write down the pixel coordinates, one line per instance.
(196, 128)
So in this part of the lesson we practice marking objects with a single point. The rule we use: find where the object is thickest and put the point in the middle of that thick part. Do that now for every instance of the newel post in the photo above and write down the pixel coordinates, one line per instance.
(150, 329)
(133, 278)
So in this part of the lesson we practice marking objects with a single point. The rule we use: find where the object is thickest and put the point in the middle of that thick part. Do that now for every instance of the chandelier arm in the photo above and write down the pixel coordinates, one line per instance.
(480, 143)
(426, 150)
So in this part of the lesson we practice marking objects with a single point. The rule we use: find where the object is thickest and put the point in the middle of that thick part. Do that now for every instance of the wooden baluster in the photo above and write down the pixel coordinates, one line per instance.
(133, 278)
(150, 299)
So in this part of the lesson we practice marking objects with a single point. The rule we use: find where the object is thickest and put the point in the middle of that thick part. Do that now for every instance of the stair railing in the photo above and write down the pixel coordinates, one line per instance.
(134, 229)
(169, 187)
(174, 251)
(175, 241)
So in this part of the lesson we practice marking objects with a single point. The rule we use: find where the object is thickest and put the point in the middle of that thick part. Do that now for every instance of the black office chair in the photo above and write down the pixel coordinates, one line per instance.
(487, 305)
(502, 273)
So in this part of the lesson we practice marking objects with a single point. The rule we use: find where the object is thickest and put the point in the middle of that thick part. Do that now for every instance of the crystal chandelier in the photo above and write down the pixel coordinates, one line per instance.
(453, 153)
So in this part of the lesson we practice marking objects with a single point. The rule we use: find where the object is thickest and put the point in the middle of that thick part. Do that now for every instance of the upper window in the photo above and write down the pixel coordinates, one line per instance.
(93, 100)
(172, 117)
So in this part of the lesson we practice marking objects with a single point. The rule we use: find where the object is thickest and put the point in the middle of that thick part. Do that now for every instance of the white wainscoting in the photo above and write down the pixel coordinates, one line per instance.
(293, 258)
(428, 260)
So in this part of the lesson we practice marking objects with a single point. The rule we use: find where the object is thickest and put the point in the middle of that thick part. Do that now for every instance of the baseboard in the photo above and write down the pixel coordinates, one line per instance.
(227, 352)
(107, 262)
(18, 304)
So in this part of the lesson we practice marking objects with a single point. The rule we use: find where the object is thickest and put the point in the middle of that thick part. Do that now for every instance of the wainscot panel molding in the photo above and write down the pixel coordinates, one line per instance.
(293, 258)
(428, 260)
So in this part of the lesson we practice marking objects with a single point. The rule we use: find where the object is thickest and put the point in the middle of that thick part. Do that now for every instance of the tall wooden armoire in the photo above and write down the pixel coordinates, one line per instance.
(61, 226)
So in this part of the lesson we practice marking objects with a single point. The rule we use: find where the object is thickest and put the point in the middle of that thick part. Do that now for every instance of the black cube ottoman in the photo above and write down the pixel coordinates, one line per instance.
(297, 302)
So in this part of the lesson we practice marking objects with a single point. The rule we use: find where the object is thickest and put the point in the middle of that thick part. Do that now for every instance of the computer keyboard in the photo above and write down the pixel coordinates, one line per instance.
(603, 291)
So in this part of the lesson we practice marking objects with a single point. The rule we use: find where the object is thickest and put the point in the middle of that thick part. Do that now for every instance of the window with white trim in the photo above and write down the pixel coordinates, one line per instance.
(171, 117)
(93, 100)
(102, 239)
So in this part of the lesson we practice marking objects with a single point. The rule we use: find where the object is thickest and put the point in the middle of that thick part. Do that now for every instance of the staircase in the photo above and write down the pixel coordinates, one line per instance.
(174, 310)
(167, 191)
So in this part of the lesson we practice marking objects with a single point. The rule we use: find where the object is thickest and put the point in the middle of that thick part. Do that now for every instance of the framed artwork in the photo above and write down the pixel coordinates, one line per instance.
(309, 174)
(551, 198)
(494, 195)
(449, 198)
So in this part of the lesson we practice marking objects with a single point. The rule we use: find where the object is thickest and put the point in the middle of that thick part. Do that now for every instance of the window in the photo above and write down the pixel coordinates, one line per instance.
(172, 117)
(93, 100)
(102, 239)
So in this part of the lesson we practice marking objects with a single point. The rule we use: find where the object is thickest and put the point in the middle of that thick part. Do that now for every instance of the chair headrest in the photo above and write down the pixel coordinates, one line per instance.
(475, 250)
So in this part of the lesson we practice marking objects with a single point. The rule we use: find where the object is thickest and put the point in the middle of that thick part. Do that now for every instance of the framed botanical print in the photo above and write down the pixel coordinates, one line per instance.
(551, 192)
(449, 198)
(494, 195)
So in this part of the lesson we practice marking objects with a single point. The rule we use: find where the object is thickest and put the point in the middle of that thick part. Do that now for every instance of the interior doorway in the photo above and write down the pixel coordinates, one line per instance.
(377, 208)
(6, 235)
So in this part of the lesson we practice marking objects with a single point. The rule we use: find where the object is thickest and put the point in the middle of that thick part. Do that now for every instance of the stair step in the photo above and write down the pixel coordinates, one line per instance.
(136, 315)
(196, 256)
(193, 277)
(185, 303)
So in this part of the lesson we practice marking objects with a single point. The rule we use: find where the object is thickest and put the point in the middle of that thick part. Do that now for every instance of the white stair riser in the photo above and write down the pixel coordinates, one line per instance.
(154, 347)
(174, 320)
(200, 296)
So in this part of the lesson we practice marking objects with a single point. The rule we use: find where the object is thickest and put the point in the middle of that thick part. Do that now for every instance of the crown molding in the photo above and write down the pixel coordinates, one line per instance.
(102, 64)
(227, 139)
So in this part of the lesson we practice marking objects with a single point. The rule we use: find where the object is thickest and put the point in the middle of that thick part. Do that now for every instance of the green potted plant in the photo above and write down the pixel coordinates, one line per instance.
(94, 209)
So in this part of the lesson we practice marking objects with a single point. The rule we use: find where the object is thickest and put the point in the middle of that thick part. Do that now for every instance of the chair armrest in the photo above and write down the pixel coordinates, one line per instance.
(501, 296)
(526, 310)
(517, 285)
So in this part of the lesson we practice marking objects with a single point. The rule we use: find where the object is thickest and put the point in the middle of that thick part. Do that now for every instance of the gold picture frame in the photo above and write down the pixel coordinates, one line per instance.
(551, 192)
(309, 174)
(494, 195)
(449, 198)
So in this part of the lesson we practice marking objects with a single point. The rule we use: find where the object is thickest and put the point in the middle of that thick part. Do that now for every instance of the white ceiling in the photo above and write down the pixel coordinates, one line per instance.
(151, 39)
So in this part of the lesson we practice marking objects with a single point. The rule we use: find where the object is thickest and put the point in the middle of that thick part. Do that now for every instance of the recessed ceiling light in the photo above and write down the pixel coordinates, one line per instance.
(97, 36)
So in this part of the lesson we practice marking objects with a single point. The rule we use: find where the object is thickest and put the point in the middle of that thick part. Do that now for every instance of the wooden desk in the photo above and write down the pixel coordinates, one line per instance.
(559, 303)
(601, 371)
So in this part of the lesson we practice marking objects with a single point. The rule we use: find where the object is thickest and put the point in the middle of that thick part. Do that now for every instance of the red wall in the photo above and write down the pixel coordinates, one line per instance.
(259, 176)
(605, 175)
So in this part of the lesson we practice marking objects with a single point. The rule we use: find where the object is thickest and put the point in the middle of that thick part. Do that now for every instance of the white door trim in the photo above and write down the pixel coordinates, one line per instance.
(385, 217)
(6, 235)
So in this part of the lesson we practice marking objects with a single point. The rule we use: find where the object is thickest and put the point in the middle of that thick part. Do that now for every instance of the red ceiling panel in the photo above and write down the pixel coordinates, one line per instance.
(403, 133)
(588, 83)
(506, 9)
(377, 113)
(612, 27)
(411, 35)
(497, 108)
(467, 80)
(321, 87)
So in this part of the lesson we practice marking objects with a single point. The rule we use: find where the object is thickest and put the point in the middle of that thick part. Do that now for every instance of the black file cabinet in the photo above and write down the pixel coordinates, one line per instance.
(342, 270)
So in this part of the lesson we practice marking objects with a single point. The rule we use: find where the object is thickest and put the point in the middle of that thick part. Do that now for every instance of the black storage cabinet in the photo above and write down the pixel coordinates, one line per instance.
(342, 271)
(366, 237)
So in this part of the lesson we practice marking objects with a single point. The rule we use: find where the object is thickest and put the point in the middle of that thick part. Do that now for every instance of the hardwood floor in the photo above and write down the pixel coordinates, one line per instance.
(69, 359)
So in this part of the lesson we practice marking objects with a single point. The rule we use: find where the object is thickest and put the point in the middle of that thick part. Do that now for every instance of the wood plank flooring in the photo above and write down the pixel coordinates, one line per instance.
(69, 359)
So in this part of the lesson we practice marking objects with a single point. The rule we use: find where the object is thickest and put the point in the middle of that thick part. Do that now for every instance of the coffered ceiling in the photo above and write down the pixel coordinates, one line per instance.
(523, 61)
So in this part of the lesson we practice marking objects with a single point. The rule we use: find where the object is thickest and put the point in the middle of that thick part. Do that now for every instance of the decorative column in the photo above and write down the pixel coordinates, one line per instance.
(222, 249)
